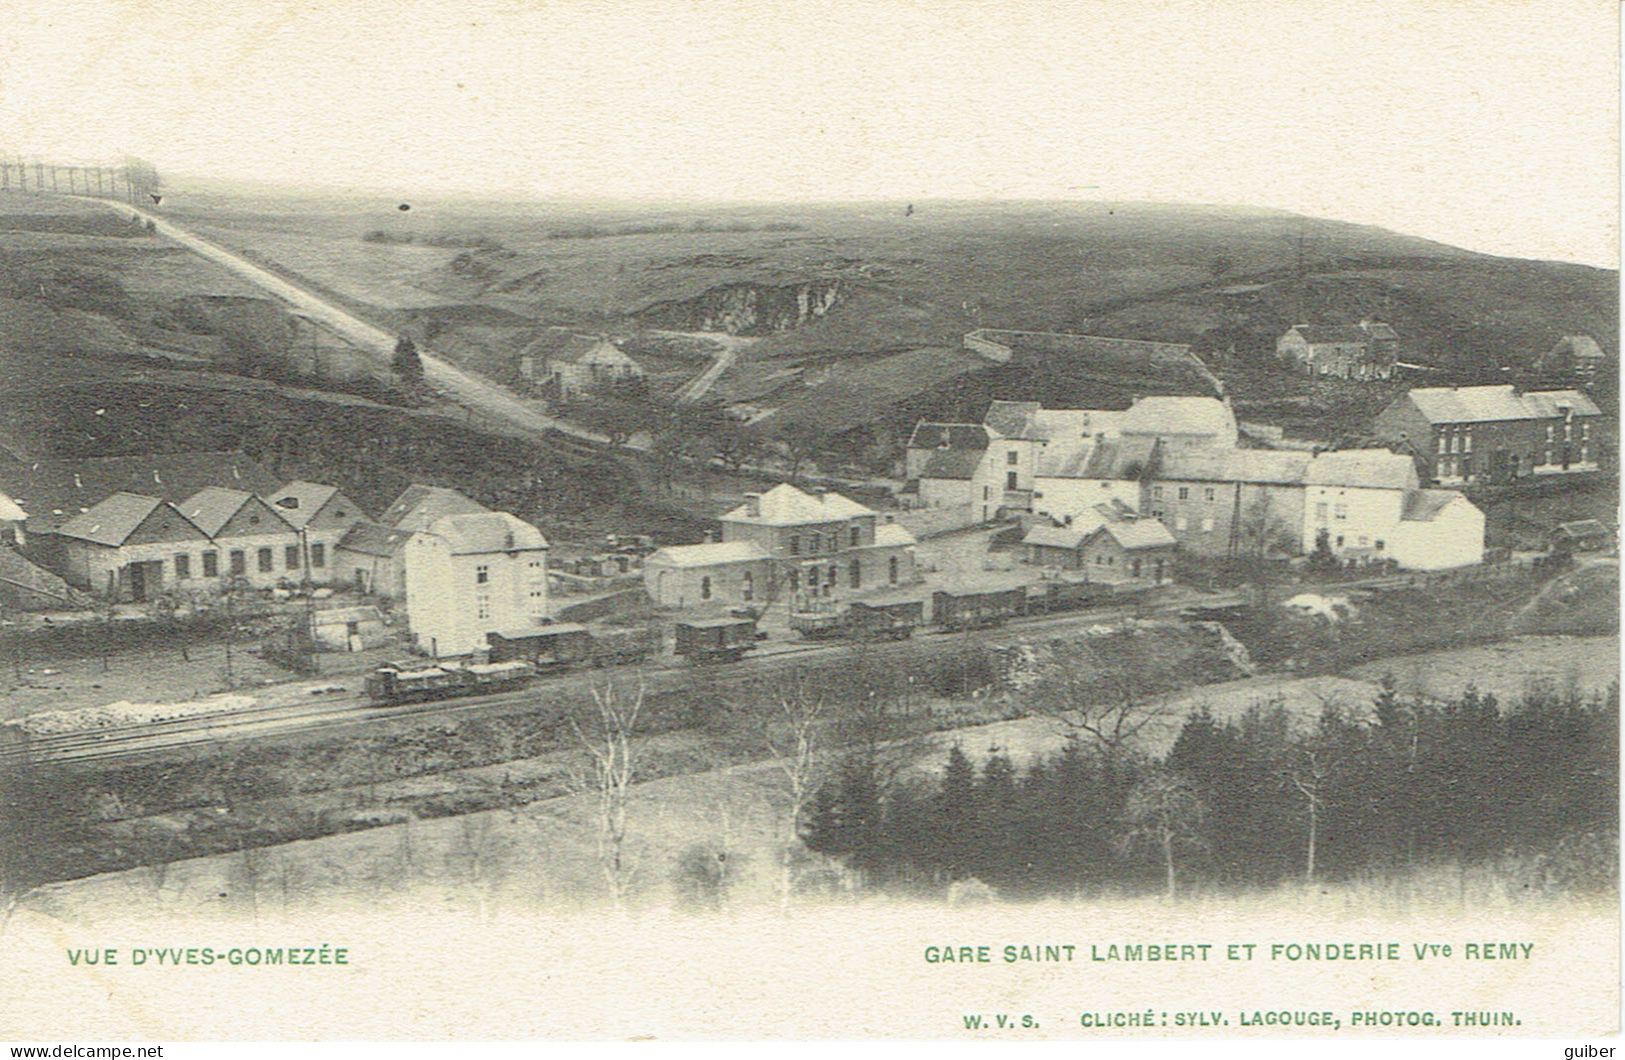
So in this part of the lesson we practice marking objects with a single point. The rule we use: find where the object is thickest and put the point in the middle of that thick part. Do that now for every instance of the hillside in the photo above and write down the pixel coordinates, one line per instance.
(860, 309)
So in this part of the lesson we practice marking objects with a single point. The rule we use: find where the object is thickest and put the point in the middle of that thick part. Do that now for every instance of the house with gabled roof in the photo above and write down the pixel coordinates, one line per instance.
(1363, 352)
(322, 515)
(1107, 543)
(472, 573)
(419, 505)
(571, 364)
(132, 547)
(1497, 433)
(255, 542)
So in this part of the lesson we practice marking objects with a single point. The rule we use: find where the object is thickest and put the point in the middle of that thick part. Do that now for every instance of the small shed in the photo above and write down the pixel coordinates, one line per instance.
(348, 628)
(1582, 535)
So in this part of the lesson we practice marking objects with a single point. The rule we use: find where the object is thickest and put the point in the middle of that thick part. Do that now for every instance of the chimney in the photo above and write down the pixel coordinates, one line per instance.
(753, 505)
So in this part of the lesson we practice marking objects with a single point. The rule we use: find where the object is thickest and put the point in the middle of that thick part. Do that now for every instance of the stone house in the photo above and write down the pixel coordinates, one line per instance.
(134, 547)
(322, 515)
(1364, 352)
(255, 543)
(470, 574)
(1496, 434)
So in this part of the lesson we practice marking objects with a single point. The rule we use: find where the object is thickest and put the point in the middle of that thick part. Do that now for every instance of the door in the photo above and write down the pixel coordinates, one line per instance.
(138, 582)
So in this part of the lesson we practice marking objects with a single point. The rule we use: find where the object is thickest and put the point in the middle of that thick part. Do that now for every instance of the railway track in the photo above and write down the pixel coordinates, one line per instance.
(336, 714)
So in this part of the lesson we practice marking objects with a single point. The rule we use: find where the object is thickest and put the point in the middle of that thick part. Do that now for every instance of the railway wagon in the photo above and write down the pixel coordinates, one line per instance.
(1058, 597)
(884, 621)
(960, 611)
(715, 639)
(616, 647)
(553, 647)
(413, 683)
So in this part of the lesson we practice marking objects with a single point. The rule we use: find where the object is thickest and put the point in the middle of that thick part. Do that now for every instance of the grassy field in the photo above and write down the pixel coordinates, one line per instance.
(909, 287)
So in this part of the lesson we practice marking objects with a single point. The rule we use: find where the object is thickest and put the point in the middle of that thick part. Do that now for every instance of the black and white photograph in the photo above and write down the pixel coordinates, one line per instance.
(921, 519)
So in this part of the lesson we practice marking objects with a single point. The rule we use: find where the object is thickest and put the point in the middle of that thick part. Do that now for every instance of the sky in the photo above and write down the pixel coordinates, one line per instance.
(1492, 126)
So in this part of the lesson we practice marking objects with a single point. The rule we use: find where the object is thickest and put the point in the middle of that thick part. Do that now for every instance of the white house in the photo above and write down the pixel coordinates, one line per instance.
(472, 573)
(1438, 529)
(1356, 497)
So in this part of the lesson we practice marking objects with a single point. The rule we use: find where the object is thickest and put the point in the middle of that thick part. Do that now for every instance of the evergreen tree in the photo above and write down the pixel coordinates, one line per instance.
(408, 365)
(956, 812)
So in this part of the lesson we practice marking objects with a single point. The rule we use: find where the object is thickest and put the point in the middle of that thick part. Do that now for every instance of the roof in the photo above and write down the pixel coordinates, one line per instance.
(1058, 424)
(784, 505)
(1123, 459)
(713, 554)
(1012, 419)
(587, 349)
(471, 533)
(18, 572)
(1082, 525)
(419, 505)
(113, 520)
(1423, 505)
(1178, 415)
(952, 464)
(1484, 404)
(1583, 528)
(1138, 533)
(1317, 334)
(54, 491)
(373, 539)
(307, 498)
(1580, 347)
(1279, 467)
(893, 534)
(552, 629)
(968, 436)
(211, 507)
(1370, 468)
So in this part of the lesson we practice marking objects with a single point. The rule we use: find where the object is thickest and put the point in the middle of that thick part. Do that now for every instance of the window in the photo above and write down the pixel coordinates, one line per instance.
(1548, 459)
(183, 562)
(748, 587)
(1134, 568)
(211, 564)
(482, 575)
(1207, 493)
(538, 603)
(1339, 540)
(1100, 560)
(795, 544)
(340, 513)
(1551, 432)
(795, 581)
(239, 561)
(1184, 493)
(1583, 453)
(253, 520)
(1156, 513)
(705, 587)
(1568, 431)
(1320, 511)
(891, 570)
(1467, 441)
(1441, 442)
(856, 575)
(1179, 521)
(1454, 441)
(482, 605)
(985, 492)
(857, 537)
(1156, 493)
(1340, 511)
(318, 555)
(535, 564)
(1363, 540)
(266, 560)
(834, 576)
(1010, 480)
(1207, 524)
(1381, 544)
(1585, 431)
(1012, 457)
(290, 557)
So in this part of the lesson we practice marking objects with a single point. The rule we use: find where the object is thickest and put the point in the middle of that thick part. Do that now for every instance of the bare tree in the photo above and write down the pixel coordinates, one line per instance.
(791, 732)
(1165, 814)
(1099, 698)
(608, 740)
(1307, 773)
(476, 847)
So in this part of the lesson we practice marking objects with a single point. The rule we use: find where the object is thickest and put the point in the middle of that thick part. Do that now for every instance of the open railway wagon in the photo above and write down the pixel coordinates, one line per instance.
(564, 645)
(861, 621)
(715, 639)
(1061, 596)
(959, 611)
(413, 683)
